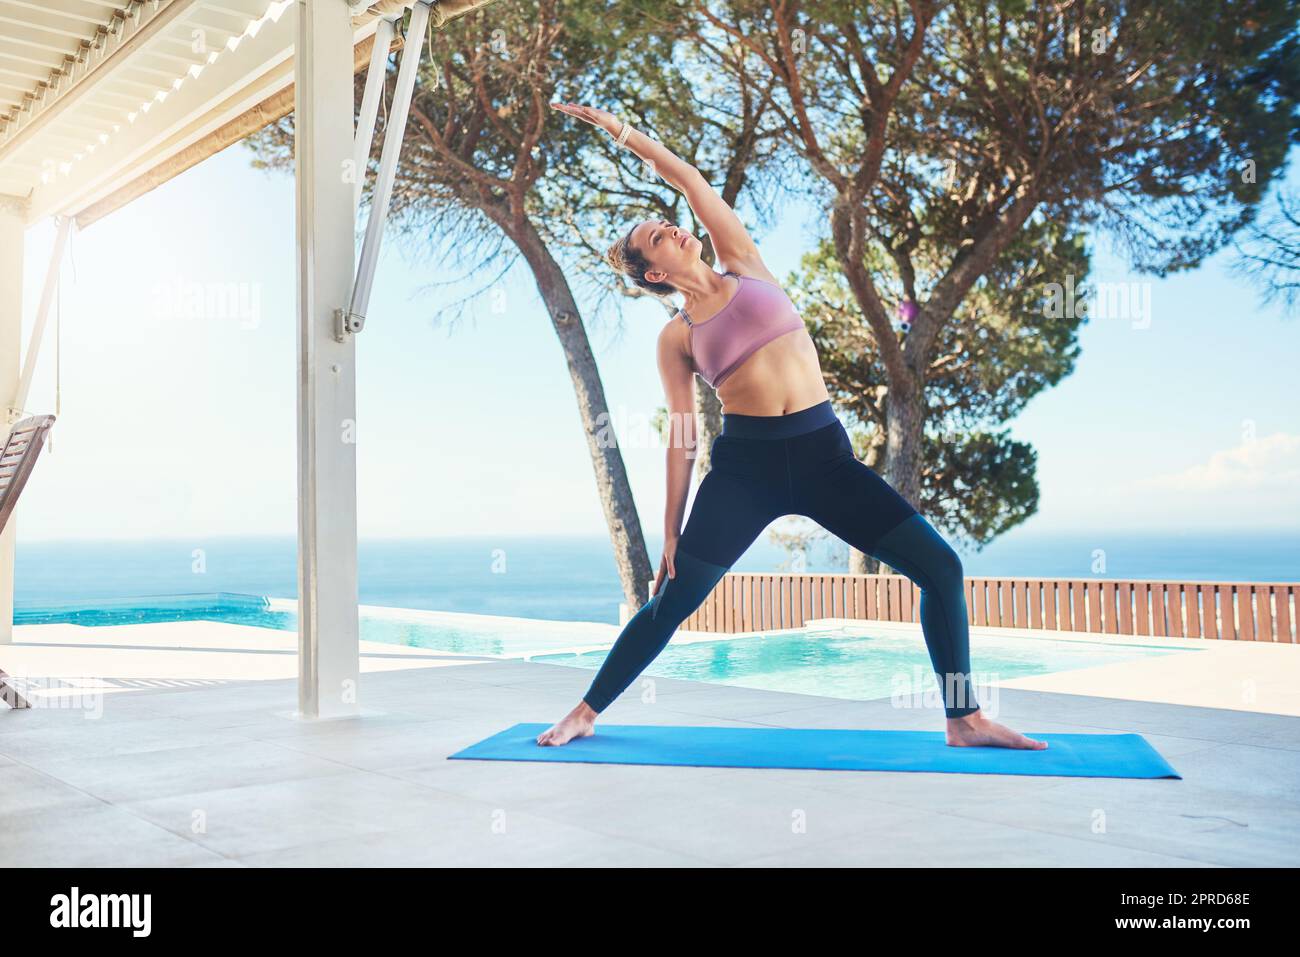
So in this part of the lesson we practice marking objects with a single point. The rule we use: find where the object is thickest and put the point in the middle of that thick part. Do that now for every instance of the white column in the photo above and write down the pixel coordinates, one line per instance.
(12, 223)
(328, 650)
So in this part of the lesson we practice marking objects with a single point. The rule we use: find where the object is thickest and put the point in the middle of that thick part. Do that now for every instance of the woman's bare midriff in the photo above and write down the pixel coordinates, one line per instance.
(782, 377)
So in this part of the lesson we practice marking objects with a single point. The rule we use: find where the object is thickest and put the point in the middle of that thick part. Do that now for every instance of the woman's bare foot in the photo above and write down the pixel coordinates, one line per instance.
(578, 723)
(974, 731)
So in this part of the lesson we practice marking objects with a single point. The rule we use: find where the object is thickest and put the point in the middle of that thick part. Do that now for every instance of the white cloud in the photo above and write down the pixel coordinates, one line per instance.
(1262, 464)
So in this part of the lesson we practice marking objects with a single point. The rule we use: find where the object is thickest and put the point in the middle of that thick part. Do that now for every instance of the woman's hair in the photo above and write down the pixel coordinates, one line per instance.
(630, 261)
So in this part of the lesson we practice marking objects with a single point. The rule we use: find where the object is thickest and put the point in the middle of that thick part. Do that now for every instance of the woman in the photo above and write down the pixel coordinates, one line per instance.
(781, 451)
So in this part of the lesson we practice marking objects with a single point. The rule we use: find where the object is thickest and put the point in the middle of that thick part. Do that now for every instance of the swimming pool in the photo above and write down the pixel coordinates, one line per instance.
(149, 609)
(459, 632)
(861, 663)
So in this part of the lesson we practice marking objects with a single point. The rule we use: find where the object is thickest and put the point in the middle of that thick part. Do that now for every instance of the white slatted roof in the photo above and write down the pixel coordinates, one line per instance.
(94, 93)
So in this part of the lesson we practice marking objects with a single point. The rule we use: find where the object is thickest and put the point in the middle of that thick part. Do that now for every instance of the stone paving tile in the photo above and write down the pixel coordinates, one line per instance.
(226, 776)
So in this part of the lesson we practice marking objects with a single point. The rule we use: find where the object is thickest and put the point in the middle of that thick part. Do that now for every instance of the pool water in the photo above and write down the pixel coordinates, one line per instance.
(217, 606)
(852, 662)
(438, 631)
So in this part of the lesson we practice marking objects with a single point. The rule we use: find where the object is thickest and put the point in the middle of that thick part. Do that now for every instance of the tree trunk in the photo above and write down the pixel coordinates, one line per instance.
(612, 485)
(904, 422)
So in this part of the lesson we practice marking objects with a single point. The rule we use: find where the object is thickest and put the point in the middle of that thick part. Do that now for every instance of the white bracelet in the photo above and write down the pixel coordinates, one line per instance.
(623, 134)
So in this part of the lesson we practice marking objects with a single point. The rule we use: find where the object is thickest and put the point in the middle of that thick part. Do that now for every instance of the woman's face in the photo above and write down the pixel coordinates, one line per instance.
(670, 249)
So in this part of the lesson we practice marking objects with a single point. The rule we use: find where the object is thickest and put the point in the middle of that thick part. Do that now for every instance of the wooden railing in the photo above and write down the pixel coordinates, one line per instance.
(1240, 611)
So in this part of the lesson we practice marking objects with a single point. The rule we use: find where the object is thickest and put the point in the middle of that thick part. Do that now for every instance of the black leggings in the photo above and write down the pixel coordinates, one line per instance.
(798, 464)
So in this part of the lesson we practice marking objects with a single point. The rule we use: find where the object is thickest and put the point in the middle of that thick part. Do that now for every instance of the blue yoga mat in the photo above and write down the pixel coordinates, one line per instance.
(1067, 755)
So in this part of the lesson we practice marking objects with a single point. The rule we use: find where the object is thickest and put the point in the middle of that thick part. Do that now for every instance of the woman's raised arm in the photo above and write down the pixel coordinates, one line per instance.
(731, 240)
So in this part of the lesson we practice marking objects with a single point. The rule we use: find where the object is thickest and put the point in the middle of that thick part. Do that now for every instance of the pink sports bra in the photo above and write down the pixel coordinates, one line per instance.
(757, 313)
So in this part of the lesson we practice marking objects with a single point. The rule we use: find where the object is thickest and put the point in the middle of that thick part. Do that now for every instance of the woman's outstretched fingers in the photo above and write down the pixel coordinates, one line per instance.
(573, 109)
(598, 118)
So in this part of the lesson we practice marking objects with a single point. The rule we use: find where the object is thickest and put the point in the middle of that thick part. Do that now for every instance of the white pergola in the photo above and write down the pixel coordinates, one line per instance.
(103, 100)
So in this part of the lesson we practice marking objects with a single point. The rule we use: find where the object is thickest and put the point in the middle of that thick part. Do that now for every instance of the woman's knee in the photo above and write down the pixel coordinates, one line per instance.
(946, 565)
(922, 553)
(940, 561)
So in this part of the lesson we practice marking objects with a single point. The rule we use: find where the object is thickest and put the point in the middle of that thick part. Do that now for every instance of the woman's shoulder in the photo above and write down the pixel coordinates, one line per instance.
(674, 347)
(675, 331)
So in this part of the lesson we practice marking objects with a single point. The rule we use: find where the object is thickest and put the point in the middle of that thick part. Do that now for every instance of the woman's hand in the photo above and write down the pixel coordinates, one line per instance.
(590, 114)
(667, 564)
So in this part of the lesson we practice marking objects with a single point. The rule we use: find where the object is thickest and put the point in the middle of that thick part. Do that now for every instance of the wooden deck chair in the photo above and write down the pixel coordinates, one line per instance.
(21, 448)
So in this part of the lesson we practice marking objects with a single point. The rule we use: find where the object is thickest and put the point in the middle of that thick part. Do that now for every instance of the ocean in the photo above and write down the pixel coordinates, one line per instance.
(573, 579)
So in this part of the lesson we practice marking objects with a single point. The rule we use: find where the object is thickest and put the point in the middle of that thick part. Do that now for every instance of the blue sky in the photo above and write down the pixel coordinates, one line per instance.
(178, 418)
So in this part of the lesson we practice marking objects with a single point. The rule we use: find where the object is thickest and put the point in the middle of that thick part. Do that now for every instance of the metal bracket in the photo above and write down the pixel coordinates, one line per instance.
(352, 318)
(364, 136)
(346, 324)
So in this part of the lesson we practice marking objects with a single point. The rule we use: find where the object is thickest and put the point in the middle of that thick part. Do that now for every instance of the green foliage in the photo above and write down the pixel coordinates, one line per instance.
(1163, 121)
(979, 484)
(1020, 127)
(481, 143)
(1158, 124)
(999, 352)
